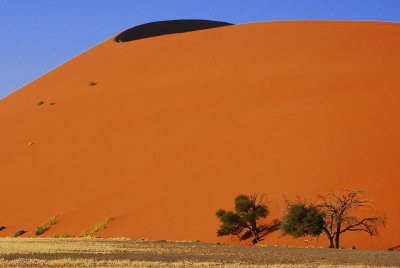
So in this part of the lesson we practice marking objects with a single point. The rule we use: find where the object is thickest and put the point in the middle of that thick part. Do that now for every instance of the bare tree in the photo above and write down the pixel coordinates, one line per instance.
(340, 212)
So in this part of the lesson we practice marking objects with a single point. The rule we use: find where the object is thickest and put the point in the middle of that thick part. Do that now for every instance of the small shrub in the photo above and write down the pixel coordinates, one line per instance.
(39, 230)
(19, 232)
(99, 226)
(52, 103)
(65, 236)
(2, 228)
(353, 247)
(92, 83)
(391, 249)
(46, 225)
(40, 103)
(55, 236)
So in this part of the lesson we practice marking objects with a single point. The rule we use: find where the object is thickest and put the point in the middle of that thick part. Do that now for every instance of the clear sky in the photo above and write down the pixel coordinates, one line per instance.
(38, 35)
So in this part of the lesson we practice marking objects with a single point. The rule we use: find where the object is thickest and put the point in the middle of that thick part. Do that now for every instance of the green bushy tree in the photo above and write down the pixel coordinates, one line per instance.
(301, 220)
(247, 220)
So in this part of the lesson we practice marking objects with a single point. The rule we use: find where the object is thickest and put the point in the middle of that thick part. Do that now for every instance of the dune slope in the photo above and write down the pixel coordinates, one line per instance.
(178, 125)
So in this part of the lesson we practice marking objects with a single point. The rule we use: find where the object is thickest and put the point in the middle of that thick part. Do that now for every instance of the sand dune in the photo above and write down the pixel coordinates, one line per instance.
(178, 125)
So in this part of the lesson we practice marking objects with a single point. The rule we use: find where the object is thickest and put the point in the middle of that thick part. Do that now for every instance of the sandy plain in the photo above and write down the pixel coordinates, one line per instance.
(122, 252)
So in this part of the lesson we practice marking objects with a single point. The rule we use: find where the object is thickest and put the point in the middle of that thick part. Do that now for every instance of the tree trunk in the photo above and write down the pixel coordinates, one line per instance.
(255, 233)
(337, 240)
(256, 238)
(330, 237)
(337, 234)
(331, 242)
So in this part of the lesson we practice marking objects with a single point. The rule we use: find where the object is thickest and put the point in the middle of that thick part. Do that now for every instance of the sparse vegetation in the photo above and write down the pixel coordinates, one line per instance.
(46, 225)
(40, 103)
(65, 236)
(99, 226)
(19, 232)
(52, 103)
(245, 222)
(2, 228)
(92, 83)
(89, 252)
(82, 262)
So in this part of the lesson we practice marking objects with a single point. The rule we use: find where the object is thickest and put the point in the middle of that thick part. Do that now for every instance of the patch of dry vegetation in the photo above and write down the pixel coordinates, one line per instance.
(19, 233)
(125, 252)
(97, 227)
(68, 262)
(46, 225)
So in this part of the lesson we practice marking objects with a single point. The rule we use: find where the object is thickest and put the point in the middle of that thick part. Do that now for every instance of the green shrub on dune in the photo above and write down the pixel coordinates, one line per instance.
(19, 232)
(46, 225)
(99, 226)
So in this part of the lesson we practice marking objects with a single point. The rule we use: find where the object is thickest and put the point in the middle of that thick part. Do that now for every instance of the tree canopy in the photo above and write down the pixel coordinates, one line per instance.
(342, 214)
(246, 221)
(301, 220)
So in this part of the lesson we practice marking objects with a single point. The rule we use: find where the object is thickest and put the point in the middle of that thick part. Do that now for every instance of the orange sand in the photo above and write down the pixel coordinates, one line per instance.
(178, 125)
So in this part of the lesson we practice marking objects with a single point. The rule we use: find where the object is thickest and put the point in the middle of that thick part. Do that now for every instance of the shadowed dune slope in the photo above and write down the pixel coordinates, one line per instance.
(158, 28)
(178, 125)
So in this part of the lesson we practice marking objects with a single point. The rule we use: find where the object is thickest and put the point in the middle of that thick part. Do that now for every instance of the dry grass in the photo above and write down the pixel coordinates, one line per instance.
(46, 225)
(53, 245)
(68, 262)
(97, 227)
(125, 252)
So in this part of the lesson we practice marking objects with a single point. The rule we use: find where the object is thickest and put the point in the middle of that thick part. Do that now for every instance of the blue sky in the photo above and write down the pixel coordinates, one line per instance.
(38, 35)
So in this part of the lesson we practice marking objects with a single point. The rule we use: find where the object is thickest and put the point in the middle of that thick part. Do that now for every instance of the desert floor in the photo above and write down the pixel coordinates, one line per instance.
(89, 252)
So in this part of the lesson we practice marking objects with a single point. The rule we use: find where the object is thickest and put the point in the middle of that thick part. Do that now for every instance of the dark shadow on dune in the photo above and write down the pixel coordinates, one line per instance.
(166, 27)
